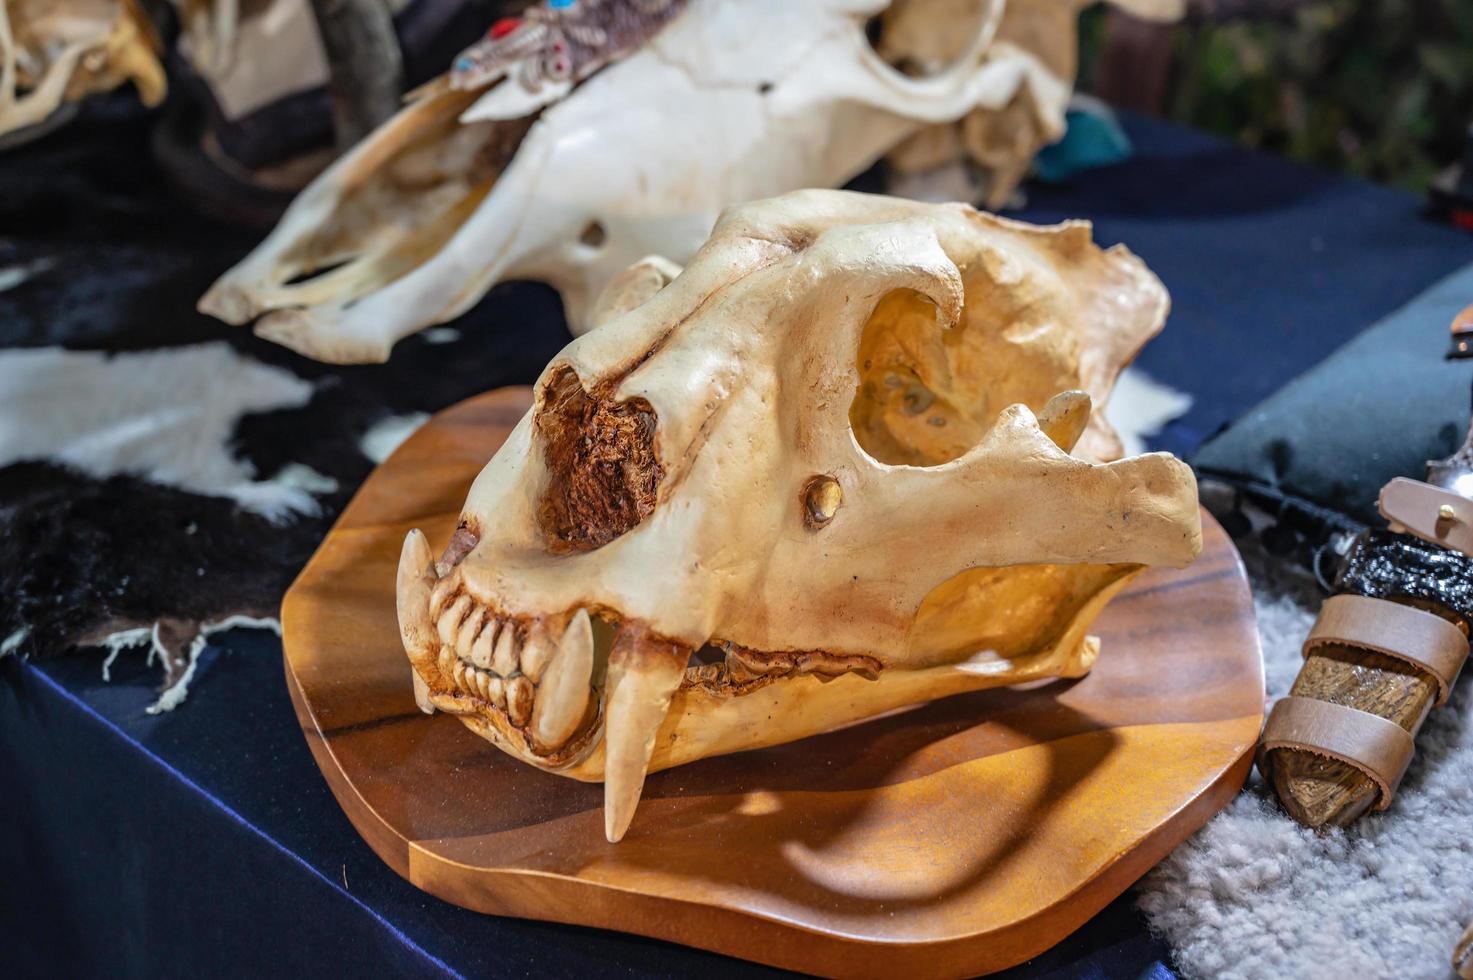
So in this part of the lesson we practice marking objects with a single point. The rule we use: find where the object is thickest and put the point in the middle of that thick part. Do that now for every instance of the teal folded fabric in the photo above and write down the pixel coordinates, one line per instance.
(1094, 138)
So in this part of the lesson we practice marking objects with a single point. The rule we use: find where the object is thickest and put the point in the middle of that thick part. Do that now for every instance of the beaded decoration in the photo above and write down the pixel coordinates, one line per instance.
(561, 41)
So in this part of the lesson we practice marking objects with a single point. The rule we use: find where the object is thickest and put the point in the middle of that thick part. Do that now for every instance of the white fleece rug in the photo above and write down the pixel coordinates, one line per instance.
(1254, 895)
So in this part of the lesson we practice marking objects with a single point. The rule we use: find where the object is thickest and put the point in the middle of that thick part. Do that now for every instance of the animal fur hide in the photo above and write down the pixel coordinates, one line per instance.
(161, 474)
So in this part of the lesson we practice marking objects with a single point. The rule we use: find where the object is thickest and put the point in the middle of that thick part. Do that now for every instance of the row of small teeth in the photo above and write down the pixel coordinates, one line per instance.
(514, 695)
(510, 664)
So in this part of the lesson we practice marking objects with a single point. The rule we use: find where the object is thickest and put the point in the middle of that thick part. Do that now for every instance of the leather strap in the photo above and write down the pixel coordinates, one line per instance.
(1422, 639)
(1379, 748)
(1431, 513)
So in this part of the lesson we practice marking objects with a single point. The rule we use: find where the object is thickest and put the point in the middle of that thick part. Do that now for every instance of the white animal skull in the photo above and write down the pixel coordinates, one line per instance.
(813, 461)
(732, 100)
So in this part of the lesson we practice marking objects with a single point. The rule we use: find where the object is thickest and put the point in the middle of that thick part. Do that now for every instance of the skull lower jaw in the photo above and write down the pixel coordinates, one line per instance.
(637, 706)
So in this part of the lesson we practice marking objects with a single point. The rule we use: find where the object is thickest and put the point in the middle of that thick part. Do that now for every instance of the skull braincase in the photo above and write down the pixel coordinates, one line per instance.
(832, 460)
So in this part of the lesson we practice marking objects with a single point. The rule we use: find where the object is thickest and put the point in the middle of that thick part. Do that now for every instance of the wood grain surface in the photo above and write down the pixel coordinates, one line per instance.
(956, 838)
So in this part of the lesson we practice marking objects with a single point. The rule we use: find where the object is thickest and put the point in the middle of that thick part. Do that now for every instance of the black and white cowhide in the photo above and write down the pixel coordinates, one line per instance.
(162, 475)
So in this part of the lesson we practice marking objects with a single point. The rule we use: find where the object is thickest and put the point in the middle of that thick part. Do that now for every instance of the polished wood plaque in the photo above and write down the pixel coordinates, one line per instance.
(956, 838)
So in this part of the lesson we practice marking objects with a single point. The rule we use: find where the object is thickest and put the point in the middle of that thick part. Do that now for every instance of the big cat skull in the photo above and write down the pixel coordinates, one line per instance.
(841, 464)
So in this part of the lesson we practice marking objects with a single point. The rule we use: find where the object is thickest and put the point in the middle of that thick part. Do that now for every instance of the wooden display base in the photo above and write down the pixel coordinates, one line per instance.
(960, 837)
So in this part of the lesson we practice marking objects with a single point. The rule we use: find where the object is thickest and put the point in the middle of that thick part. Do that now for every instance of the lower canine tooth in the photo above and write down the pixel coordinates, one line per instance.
(504, 659)
(450, 619)
(519, 697)
(644, 673)
(496, 690)
(563, 692)
(460, 676)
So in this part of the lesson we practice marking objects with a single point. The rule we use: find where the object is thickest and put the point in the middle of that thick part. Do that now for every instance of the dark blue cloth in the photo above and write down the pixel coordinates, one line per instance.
(205, 841)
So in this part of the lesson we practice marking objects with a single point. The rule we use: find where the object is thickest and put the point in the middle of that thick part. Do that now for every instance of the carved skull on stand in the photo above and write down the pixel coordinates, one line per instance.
(480, 180)
(841, 464)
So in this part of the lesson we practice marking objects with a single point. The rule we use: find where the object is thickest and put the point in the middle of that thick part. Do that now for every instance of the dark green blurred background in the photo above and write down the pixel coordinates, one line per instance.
(1380, 88)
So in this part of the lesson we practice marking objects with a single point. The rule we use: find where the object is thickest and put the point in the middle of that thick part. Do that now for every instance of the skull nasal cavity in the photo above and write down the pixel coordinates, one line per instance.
(603, 473)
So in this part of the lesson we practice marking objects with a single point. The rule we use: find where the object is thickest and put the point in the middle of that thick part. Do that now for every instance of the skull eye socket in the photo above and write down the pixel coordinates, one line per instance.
(927, 395)
(905, 409)
(603, 472)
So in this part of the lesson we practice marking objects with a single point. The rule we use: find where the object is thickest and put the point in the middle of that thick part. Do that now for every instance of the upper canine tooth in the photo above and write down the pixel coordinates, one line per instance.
(450, 620)
(412, 591)
(481, 649)
(519, 697)
(563, 692)
(644, 672)
(536, 652)
(467, 633)
(504, 659)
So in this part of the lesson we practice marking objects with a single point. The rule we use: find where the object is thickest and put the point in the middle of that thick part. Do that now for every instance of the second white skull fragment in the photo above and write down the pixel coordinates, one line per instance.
(846, 461)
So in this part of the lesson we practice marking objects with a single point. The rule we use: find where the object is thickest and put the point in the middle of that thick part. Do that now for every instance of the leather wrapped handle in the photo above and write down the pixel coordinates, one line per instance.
(1379, 748)
(1422, 639)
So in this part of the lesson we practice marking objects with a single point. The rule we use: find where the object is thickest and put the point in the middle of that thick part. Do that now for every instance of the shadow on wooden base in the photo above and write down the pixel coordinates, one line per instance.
(959, 837)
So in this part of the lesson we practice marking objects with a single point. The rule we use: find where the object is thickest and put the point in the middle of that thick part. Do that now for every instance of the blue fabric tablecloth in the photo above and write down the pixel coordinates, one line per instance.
(205, 841)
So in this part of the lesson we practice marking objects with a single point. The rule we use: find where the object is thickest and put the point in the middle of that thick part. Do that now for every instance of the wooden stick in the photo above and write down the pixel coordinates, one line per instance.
(365, 65)
(1323, 793)
(1463, 955)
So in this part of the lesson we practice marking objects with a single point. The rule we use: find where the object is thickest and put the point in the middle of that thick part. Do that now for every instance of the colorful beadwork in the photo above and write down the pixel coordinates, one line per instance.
(561, 41)
(503, 27)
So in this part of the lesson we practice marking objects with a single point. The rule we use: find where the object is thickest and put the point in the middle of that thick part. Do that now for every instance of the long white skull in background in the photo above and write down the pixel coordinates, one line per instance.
(732, 100)
(824, 473)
